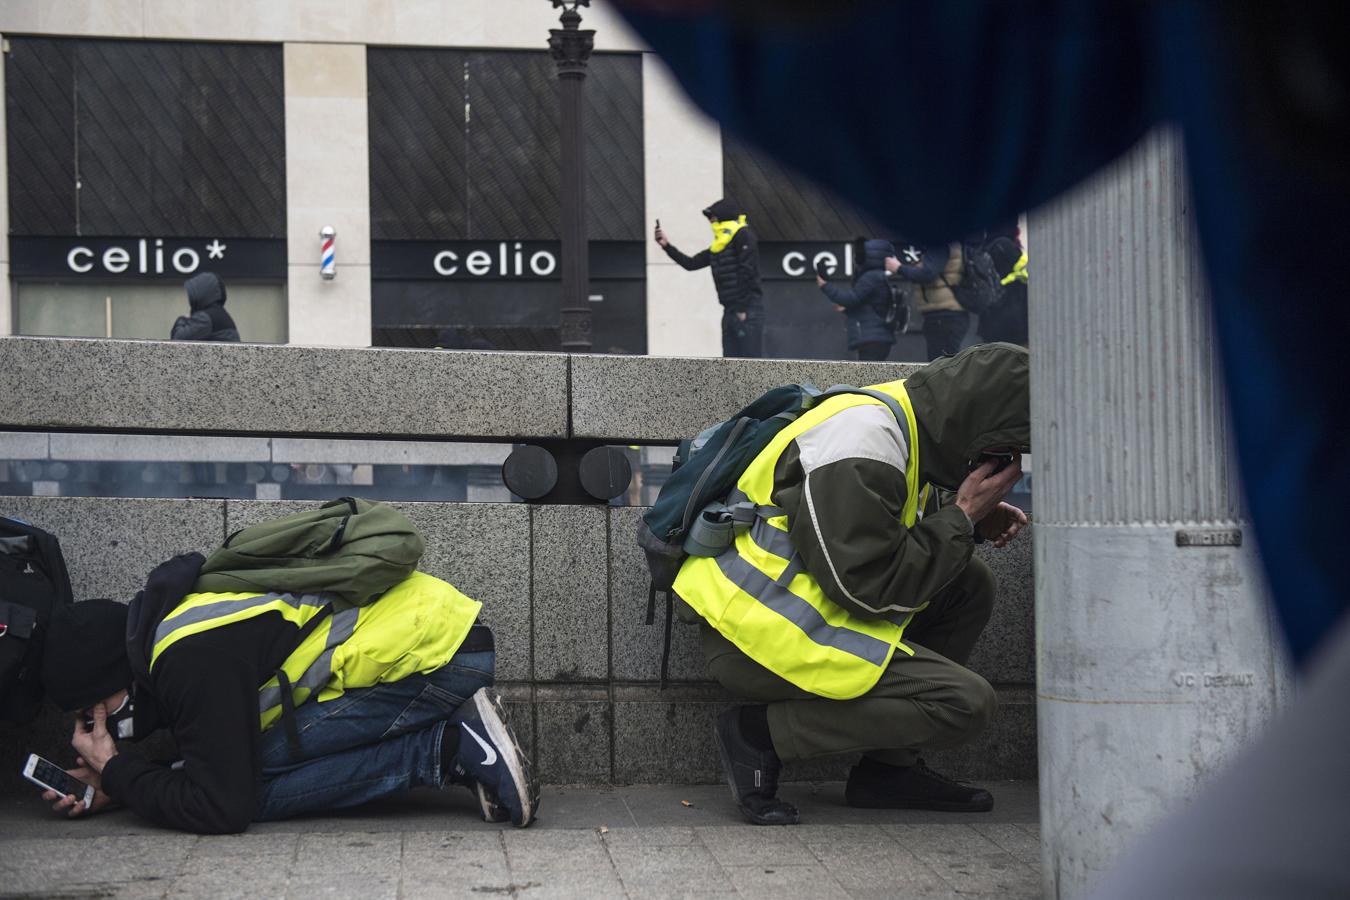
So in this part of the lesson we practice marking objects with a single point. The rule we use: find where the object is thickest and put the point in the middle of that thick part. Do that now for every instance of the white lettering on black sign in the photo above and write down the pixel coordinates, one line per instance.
(145, 256)
(508, 262)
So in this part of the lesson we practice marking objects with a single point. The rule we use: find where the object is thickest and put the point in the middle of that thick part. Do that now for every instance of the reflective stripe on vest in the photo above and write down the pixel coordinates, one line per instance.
(757, 596)
(416, 626)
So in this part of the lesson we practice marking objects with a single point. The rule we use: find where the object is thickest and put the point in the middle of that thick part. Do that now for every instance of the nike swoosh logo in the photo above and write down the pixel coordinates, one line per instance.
(490, 756)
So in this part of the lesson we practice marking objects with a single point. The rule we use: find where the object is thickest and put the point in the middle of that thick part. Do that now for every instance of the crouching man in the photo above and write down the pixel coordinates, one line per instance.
(283, 704)
(844, 613)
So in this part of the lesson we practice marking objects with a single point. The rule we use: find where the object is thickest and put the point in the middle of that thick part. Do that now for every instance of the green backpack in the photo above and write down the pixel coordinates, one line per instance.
(354, 549)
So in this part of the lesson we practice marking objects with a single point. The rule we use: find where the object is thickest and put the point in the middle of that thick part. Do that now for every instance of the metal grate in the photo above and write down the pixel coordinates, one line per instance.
(146, 138)
(464, 145)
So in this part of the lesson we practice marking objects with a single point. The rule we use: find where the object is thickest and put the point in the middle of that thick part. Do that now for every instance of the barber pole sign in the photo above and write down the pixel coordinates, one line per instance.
(327, 252)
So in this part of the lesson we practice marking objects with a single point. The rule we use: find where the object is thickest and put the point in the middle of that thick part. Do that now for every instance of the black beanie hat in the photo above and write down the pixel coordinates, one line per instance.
(85, 658)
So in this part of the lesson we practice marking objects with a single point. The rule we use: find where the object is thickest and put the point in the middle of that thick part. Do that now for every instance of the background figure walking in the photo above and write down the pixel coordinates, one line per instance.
(734, 258)
(209, 321)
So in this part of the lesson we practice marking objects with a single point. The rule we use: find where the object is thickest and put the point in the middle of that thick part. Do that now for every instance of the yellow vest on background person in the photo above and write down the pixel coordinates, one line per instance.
(756, 595)
(415, 627)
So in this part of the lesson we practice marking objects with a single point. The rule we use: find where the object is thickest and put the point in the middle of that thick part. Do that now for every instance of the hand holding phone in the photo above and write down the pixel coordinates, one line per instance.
(47, 774)
(660, 235)
(822, 271)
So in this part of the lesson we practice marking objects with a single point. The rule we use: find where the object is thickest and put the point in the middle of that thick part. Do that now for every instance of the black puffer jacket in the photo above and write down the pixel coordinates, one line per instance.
(209, 320)
(866, 301)
(735, 269)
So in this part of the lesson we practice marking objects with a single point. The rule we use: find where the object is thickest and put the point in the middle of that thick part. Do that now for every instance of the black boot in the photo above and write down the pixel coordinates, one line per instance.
(874, 785)
(752, 774)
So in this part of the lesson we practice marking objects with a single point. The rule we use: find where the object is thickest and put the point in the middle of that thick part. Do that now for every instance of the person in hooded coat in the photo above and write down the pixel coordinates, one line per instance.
(866, 301)
(209, 320)
(734, 259)
(847, 617)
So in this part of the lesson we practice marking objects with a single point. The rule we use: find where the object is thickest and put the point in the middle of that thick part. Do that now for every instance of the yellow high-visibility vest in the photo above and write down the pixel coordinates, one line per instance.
(758, 597)
(414, 627)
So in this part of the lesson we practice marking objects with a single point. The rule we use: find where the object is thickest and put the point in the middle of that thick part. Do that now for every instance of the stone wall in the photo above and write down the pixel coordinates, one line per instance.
(565, 591)
(564, 587)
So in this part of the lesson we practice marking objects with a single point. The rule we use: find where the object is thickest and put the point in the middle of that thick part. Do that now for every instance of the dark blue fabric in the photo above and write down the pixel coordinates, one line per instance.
(865, 302)
(368, 743)
(1022, 99)
(931, 266)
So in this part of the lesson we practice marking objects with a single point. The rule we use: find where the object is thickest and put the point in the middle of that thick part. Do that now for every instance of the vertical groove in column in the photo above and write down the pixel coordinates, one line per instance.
(1158, 448)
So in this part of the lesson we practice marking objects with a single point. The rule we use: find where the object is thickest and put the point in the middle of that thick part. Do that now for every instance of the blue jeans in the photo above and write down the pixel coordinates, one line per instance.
(367, 743)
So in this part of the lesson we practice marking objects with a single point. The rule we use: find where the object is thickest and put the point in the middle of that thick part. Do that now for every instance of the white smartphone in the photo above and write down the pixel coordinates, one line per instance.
(47, 774)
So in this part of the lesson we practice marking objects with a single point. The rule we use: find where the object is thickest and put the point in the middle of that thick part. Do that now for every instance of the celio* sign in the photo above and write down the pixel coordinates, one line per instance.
(145, 258)
(504, 260)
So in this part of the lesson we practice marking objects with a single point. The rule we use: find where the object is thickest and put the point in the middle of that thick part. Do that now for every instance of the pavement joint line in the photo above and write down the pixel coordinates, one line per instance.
(618, 875)
(629, 810)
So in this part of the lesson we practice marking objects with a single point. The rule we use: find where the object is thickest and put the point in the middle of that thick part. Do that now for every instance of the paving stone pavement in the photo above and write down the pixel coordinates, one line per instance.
(639, 842)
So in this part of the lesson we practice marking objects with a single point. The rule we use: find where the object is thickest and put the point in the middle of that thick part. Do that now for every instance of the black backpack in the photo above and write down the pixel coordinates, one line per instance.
(980, 285)
(895, 313)
(33, 582)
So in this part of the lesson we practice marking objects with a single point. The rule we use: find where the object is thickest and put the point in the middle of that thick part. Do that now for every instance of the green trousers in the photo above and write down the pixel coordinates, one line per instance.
(928, 701)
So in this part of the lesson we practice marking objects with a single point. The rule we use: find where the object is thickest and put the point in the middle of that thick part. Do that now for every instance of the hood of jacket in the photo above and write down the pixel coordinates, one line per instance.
(724, 210)
(968, 403)
(874, 254)
(204, 290)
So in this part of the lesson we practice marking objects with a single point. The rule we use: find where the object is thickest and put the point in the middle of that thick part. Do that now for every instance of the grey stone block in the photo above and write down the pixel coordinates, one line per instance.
(967, 860)
(574, 734)
(666, 737)
(664, 870)
(483, 549)
(283, 390)
(395, 453)
(765, 847)
(111, 544)
(774, 881)
(571, 602)
(1006, 652)
(348, 854)
(20, 445)
(681, 397)
(564, 864)
(159, 448)
(868, 867)
(520, 716)
(635, 645)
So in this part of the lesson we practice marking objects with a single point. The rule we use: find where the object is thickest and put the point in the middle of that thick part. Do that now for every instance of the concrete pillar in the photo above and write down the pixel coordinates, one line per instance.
(1157, 656)
(6, 309)
(683, 165)
(327, 183)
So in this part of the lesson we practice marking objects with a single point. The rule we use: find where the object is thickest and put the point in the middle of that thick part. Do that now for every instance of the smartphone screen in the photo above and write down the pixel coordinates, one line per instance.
(56, 778)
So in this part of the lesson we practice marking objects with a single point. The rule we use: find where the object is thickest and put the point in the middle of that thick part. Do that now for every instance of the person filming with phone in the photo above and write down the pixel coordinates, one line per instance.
(859, 643)
(733, 256)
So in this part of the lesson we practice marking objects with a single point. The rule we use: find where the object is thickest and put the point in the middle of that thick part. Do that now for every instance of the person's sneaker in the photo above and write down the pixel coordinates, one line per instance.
(752, 775)
(490, 757)
(488, 804)
(873, 785)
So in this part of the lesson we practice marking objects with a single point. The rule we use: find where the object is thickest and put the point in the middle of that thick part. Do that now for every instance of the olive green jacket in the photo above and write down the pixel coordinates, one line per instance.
(842, 483)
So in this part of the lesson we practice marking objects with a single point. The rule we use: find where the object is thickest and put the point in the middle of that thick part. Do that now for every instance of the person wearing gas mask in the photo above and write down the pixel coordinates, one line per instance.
(847, 610)
(734, 258)
(404, 700)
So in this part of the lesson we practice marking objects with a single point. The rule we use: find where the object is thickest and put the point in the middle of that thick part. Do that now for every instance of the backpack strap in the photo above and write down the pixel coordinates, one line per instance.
(891, 403)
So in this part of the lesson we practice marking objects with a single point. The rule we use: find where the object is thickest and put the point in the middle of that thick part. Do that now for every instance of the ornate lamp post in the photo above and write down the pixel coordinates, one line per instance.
(571, 48)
